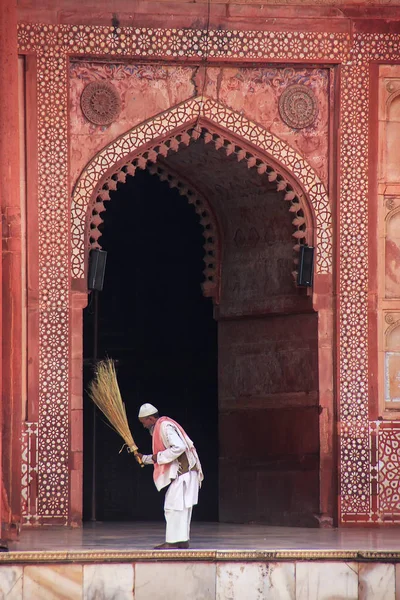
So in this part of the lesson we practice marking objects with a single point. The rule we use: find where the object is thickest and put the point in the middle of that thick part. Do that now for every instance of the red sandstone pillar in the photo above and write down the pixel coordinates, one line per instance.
(323, 304)
(11, 292)
(79, 301)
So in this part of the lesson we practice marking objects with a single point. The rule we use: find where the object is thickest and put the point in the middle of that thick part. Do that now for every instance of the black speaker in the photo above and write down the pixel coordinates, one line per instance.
(306, 266)
(97, 269)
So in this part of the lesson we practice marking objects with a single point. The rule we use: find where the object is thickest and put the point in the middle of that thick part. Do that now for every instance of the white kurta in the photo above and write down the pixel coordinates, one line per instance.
(183, 491)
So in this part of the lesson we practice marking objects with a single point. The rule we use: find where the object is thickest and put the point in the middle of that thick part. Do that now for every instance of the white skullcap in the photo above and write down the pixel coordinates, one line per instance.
(146, 410)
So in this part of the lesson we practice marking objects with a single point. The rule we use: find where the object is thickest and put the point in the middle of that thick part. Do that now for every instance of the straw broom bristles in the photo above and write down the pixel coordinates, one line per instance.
(104, 391)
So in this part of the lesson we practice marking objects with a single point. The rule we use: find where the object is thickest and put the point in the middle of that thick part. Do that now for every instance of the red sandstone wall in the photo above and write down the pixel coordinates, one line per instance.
(250, 241)
(366, 495)
(256, 237)
(148, 89)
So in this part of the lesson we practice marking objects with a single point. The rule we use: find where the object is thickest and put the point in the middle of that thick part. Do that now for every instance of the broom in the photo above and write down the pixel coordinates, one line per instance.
(104, 392)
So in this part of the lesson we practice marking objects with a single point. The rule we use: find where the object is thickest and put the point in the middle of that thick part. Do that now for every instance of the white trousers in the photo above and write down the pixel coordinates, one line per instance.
(180, 498)
(178, 525)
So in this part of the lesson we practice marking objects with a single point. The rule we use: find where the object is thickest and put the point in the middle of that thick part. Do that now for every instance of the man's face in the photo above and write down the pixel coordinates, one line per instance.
(147, 422)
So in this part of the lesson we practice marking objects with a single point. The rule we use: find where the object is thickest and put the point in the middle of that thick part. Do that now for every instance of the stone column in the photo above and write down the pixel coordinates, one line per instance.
(11, 292)
(79, 301)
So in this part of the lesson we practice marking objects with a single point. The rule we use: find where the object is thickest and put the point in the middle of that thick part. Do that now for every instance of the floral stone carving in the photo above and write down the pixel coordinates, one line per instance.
(298, 106)
(100, 103)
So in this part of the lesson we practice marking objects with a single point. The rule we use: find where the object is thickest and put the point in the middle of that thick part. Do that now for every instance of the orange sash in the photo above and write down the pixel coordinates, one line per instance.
(158, 445)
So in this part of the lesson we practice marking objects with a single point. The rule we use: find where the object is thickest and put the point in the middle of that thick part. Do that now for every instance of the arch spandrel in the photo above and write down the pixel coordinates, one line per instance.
(256, 142)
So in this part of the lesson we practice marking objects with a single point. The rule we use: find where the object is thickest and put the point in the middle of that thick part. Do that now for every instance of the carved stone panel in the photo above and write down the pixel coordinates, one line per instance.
(392, 255)
(100, 103)
(392, 357)
(298, 106)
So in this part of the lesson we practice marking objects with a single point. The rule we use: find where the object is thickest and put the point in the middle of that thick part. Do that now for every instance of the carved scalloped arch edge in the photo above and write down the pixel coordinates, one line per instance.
(208, 222)
(211, 231)
(239, 132)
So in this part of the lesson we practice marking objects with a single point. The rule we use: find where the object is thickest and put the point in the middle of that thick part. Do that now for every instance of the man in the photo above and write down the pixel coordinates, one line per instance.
(176, 464)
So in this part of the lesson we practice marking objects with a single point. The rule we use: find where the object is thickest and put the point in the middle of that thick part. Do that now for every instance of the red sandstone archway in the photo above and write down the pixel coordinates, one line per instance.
(312, 222)
(208, 220)
(255, 144)
(302, 219)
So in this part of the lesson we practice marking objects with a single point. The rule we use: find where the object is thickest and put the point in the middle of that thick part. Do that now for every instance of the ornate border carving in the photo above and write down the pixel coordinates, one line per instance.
(29, 472)
(385, 471)
(182, 42)
(359, 484)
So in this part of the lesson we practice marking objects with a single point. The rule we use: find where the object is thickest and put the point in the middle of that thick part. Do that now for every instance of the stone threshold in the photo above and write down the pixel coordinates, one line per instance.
(102, 556)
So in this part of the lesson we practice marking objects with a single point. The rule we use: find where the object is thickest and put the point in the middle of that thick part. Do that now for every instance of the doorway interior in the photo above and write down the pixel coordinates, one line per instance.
(257, 429)
(154, 321)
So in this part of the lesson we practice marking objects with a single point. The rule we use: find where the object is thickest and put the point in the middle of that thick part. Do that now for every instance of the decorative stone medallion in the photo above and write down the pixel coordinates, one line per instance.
(298, 106)
(100, 103)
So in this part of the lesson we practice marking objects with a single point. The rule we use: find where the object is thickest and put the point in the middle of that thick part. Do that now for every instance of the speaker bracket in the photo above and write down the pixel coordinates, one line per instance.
(306, 266)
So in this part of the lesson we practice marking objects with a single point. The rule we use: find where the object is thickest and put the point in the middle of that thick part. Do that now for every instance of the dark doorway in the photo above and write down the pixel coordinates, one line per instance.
(155, 322)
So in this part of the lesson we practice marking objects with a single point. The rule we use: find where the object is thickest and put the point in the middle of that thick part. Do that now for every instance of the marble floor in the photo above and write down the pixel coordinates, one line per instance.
(116, 561)
(136, 536)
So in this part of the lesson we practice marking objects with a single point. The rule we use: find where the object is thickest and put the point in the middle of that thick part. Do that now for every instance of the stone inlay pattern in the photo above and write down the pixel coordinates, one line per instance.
(385, 469)
(366, 474)
(360, 487)
(298, 106)
(158, 133)
(355, 448)
(29, 472)
(100, 102)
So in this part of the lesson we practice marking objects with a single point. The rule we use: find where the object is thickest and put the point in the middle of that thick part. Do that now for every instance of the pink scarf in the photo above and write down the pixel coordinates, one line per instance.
(158, 445)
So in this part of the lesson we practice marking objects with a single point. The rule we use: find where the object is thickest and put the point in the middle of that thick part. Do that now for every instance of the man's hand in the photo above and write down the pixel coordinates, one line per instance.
(138, 457)
(154, 457)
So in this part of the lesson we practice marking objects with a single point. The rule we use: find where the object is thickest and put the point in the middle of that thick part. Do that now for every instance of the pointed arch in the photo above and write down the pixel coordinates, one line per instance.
(183, 124)
(205, 212)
